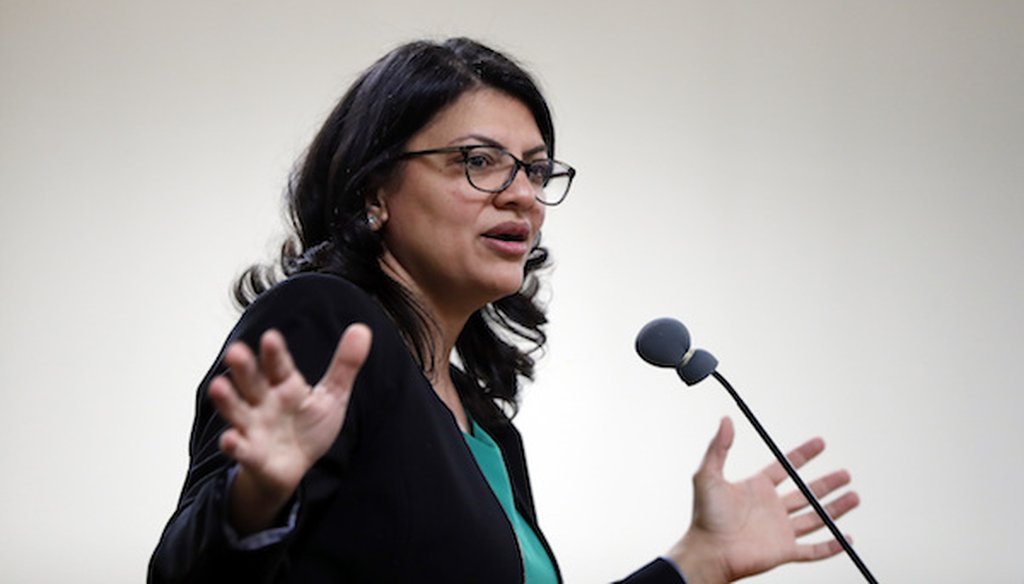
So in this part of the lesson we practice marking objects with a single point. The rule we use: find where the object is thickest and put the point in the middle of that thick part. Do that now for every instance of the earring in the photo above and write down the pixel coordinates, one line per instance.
(371, 220)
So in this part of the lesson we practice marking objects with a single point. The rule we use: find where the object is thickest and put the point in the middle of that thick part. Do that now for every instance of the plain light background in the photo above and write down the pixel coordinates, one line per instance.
(828, 193)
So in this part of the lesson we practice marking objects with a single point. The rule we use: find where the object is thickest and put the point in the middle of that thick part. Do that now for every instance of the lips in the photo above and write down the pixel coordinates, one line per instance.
(509, 238)
(509, 231)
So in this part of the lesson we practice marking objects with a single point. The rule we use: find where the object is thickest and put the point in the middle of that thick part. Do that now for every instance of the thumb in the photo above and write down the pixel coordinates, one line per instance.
(350, 355)
(714, 458)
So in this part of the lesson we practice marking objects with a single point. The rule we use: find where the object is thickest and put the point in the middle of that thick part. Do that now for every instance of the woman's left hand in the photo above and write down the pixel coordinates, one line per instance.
(745, 528)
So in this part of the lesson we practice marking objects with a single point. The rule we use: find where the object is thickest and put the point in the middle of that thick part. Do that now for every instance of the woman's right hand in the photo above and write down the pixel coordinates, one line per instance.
(280, 426)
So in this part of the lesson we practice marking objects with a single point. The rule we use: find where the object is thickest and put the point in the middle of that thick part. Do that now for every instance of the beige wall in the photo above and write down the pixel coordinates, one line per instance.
(828, 193)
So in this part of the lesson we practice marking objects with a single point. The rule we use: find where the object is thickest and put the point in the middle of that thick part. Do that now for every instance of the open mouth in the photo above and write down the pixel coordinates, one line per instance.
(505, 236)
(510, 231)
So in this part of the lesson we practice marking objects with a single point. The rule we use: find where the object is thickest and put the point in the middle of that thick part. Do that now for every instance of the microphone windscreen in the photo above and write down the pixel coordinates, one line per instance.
(700, 365)
(663, 342)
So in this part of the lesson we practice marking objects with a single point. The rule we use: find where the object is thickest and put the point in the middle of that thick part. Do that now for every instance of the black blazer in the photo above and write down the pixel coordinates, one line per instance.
(397, 498)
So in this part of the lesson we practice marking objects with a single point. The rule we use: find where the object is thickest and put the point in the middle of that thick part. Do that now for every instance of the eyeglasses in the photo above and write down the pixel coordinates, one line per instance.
(492, 169)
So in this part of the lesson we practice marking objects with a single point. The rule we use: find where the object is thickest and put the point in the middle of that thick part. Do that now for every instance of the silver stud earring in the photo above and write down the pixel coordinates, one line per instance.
(371, 220)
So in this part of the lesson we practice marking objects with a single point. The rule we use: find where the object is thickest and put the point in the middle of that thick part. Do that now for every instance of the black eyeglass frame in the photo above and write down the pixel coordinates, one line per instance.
(467, 149)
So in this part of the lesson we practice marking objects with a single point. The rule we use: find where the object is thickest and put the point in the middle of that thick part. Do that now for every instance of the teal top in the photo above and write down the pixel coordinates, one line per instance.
(537, 565)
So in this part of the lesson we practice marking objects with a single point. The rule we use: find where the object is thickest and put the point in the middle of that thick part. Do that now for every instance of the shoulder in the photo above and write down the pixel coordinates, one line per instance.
(322, 293)
(311, 311)
(323, 299)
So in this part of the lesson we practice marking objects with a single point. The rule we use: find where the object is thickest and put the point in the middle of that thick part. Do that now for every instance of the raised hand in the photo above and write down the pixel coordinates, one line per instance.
(741, 529)
(280, 425)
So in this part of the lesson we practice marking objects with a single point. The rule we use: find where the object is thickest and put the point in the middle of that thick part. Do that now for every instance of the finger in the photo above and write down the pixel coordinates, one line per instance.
(233, 444)
(714, 458)
(229, 405)
(229, 440)
(819, 551)
(245, 374)
(809, 522)
(795, 500)
(797, 457)
(350, 355)
(275, 359)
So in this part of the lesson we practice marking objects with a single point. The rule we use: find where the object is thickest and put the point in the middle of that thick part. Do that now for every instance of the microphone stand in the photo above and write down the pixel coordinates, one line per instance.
(796, 479)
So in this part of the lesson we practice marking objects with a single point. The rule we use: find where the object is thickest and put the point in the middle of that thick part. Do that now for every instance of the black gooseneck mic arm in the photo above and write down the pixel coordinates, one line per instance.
(665, 342)
(796, 479)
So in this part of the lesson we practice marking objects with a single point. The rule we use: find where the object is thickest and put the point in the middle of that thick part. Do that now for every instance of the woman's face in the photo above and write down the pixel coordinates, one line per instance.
(458, 246)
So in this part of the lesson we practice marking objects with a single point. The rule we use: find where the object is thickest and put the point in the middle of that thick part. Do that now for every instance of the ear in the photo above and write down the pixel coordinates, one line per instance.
(376, 210)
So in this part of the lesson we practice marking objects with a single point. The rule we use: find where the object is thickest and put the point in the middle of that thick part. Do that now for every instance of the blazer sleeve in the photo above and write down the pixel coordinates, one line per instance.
(660, 571)
(311, 312)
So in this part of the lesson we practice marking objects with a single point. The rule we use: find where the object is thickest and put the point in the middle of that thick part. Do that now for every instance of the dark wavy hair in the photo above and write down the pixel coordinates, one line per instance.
(353, 154)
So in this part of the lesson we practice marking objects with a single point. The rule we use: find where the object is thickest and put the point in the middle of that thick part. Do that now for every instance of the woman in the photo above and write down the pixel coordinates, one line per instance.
(417, 216)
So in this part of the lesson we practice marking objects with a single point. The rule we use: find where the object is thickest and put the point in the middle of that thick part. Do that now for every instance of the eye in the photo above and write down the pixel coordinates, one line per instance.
(481, 158)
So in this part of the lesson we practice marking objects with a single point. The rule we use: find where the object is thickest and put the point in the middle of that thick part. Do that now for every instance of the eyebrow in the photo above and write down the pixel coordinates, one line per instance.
(492, 142)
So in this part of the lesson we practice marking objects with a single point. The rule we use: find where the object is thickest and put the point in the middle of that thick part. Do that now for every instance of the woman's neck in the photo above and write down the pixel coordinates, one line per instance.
(439, 371)
(444, 325)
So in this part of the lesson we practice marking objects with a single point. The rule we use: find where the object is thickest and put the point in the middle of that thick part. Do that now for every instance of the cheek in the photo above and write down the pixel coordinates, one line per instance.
(442, 226)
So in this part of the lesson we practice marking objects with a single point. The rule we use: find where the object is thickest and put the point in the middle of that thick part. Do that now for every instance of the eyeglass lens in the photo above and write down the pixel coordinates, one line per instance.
(492, 169)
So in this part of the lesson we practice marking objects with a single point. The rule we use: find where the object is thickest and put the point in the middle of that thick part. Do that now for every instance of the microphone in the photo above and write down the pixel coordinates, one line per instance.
(665, 342)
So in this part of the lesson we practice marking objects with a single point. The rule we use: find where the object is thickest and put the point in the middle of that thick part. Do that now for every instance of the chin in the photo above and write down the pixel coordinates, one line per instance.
(505, 286)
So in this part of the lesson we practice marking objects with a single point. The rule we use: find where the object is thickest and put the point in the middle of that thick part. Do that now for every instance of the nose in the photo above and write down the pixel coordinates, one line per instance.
(520, 193)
